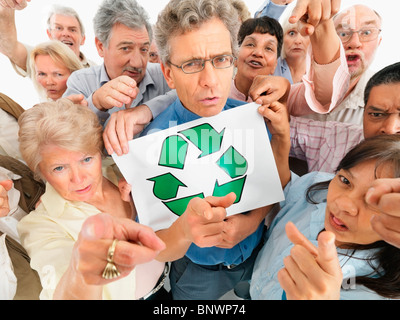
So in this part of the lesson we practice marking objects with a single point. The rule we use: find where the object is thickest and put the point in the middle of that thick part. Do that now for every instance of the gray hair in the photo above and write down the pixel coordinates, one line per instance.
(180, 16)
(126, 12)
(64, 11)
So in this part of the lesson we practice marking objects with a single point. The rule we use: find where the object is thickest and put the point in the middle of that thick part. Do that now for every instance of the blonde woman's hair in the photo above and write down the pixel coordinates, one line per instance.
(61, 123)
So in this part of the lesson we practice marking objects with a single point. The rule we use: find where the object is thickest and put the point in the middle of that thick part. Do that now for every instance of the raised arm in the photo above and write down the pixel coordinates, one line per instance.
(9, 44)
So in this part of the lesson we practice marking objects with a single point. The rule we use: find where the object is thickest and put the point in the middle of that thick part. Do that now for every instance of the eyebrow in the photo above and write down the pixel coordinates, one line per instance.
(366, 23)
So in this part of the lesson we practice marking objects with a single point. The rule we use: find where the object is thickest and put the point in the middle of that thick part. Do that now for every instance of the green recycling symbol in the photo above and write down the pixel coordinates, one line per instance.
(173, 156)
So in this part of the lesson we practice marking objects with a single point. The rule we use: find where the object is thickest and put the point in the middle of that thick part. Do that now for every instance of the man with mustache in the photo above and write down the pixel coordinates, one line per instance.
(359, 29)
(125, 79)
(64, 25)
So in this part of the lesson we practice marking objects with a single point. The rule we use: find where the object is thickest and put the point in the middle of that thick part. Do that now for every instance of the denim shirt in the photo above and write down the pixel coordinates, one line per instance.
(177, 114)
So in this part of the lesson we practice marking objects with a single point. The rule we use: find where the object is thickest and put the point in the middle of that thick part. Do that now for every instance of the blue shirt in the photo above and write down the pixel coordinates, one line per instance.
(270, 9)
(309, 219)
(177, 114)
(282, 70)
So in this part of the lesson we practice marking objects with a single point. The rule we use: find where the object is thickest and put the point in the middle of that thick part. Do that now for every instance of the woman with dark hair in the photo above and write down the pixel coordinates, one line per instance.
(351, 260)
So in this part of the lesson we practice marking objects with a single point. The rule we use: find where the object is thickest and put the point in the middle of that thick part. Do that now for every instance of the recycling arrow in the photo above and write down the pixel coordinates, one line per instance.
(235, 186)
(179, 206)
(233, 163)
(205, 137)
(173, 153)
(166, 186)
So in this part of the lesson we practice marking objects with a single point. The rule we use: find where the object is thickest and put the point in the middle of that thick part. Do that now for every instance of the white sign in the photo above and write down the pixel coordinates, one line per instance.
(226, 153)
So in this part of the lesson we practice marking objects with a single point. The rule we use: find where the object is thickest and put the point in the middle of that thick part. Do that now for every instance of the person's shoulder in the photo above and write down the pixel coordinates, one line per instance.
(232, 103)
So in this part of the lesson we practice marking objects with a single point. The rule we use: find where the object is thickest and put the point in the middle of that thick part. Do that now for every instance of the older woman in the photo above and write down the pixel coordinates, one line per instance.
(62, 143)
(51, 64)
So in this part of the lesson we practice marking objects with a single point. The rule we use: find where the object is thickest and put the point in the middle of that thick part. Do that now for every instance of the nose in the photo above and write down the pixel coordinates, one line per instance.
(76, 176)
(353, 42)
(50, 80)
(208, 76)
(346, 204)
(391, 125)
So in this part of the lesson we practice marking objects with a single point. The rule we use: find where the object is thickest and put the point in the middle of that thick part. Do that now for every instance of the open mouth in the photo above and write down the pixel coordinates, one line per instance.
(337, 223)
(68, 43)
(353, 58)
(256, 64)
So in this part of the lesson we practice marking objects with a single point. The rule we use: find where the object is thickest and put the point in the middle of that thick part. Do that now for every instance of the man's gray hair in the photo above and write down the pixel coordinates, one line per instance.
(126, 12)
(180, 16)
(64, 11)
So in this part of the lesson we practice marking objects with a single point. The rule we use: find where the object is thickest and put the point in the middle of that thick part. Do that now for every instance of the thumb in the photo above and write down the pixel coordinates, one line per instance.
(7, 184)
(98, 227)
(327, 254)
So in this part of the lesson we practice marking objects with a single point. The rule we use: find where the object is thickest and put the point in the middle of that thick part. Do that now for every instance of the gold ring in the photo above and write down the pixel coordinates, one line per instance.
(111, 272)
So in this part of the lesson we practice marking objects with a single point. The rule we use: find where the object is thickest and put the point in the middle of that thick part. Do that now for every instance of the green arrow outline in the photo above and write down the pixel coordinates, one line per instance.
(169, 191)
(230, 168)
(178, 206)
(236, 186)
(212, 148)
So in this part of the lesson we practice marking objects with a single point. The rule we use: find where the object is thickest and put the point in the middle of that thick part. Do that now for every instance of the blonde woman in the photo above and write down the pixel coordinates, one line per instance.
(61, 143)
(51, 64)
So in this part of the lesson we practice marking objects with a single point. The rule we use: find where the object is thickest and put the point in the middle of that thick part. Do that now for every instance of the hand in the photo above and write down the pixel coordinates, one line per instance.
(311, 273)
(267, 89)
(78, 99)
(14, 4)
(384, 196)
(115, 93)
(203, 220)
(5, 186)
(123, 126)
(277, 118)
(311, 13)
(137, 244)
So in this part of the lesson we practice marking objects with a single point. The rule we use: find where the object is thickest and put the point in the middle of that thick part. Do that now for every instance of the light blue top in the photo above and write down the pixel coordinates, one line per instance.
(309, 219)
(154, 91)
(177, 114)
(270, 9)
(282, 70)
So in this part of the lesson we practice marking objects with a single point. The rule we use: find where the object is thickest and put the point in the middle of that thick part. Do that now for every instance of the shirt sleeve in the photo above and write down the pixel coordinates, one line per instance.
(322, 89)
(270, 9)
(160, 103)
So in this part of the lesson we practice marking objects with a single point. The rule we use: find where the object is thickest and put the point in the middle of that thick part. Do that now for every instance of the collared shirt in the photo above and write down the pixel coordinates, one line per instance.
(177, 114)
(49, 233)
(154, 90)
(323, 144)
(270, 9)
(309, 219)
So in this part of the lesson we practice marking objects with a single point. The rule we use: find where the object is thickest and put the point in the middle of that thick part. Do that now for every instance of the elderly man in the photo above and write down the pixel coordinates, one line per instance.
(359, 29)
(63, 24)
(211, 253)
(123, 39)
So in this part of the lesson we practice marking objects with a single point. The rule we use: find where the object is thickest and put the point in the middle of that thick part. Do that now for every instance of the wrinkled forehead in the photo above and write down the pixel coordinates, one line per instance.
(357, 17)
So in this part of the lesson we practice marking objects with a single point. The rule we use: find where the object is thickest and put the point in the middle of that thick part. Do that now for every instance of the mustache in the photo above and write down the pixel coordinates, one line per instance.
(133, 70)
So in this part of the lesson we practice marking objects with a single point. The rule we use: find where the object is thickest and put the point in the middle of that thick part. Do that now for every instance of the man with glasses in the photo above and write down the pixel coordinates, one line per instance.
(210, 253)
(359, 28)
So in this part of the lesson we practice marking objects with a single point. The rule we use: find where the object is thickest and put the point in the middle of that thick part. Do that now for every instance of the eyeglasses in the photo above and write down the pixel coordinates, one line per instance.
(196, 65)
(364, 34)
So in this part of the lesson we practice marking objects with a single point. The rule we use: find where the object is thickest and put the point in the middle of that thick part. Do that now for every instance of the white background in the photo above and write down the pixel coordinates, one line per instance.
(31, 27)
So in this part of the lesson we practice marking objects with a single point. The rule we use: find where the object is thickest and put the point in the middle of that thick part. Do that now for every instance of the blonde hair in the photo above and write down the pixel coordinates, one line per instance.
(59, 53)
(61, 123)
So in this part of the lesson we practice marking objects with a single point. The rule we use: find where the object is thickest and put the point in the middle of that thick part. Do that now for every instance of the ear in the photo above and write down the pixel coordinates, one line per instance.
(168, 75)
(99, 47)
(49, 34)
(83, 40)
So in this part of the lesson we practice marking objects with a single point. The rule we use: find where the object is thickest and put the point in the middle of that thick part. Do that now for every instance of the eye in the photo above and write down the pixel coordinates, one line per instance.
(377, 115)
(58, 169)
(88, 159)
(344, 180)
